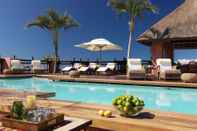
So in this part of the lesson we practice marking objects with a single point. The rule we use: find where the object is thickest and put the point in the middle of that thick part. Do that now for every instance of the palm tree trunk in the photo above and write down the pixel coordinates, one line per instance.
(129, 45)
(131, 31)
(55, 36)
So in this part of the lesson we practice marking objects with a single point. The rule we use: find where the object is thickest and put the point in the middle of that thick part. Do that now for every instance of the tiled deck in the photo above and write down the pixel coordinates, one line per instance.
(119, 80)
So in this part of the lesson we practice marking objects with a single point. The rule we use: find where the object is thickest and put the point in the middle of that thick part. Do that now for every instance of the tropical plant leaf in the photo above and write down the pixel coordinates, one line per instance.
(119, 5)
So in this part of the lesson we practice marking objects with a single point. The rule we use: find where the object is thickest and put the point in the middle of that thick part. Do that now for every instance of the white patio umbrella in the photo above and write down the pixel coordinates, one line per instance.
(99, 45)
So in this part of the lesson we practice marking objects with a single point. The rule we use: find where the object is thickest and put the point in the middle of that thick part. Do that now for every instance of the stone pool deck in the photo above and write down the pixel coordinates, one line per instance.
(118, 80)
(148, 121)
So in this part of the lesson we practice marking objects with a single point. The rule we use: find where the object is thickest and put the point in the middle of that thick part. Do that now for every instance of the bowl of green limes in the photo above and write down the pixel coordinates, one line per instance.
(128, 105)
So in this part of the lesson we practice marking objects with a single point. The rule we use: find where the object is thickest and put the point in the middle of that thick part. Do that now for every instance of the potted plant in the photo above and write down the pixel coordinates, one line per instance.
(128, 105)
(18, 110)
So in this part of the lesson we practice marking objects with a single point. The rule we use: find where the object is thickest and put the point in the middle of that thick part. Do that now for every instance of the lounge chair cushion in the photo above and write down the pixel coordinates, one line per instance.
(77, 66)
(134, 64)
(16, 65)
(164, 64)
(93, 66)
(109, 66)
(102, 69)
(67, 68)
(83, 69)
(167, 72)
(170, 75)
(137, 74)
(37, 65)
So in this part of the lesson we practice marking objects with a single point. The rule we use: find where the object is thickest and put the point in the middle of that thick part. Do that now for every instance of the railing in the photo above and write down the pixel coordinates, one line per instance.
(121, 64)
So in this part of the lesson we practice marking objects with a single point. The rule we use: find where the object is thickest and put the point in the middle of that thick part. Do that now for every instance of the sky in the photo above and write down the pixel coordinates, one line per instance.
(96, 19)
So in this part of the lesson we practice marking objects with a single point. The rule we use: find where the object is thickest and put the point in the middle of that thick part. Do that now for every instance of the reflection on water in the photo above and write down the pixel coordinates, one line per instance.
(110, 90)
(163, 100)
(92, 89)
(72, 90)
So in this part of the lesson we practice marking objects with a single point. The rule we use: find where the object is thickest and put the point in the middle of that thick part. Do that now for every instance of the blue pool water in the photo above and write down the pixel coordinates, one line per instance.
(165, 99)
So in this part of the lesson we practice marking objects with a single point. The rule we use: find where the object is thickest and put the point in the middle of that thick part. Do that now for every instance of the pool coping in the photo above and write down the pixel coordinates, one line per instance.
(120, 81)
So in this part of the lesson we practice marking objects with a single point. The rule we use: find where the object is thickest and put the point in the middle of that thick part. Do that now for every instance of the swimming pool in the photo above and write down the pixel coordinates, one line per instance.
(165, 99)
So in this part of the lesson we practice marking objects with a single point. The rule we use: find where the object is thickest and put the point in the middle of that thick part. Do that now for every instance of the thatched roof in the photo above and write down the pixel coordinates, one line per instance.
(181, 24)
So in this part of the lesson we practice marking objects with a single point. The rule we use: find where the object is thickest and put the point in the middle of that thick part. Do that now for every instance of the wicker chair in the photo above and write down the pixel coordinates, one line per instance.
(166, 71)
(135, 69)
(38, 67)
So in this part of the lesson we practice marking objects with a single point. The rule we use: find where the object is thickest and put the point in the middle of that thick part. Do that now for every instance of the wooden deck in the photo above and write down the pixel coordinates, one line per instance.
(14, 93)
(148, 121)
(119, 80)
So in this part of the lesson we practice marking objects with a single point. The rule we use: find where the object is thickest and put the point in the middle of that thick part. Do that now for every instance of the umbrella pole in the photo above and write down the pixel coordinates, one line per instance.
(100, 53)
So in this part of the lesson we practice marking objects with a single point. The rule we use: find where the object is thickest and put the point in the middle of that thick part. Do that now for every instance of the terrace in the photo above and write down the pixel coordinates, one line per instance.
(181, 86)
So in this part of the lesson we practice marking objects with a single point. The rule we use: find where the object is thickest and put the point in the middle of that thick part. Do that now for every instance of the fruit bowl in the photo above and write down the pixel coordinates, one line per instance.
(128, 105)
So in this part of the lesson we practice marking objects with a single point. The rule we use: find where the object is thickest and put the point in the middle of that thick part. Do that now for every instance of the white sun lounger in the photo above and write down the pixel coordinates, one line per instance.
(67, 68)
(77, 66)
(92, 66)
(83, 68)
(109, 66)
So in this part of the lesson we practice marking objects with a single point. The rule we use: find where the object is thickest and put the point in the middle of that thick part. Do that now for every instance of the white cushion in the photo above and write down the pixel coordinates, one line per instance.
(83, 69)
(16, 64)
(102, 69)
(67, 68)
(111, 66)
(37, 65)
(77, 65)
(164, 64)
(93, 65)
(134, 64)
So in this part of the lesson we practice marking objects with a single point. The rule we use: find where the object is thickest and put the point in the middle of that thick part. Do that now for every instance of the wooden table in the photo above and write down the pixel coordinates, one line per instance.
(71, 124)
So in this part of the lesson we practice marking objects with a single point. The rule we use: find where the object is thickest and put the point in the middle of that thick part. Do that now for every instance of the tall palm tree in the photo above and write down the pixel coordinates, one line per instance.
(54, 22)
(134, 9)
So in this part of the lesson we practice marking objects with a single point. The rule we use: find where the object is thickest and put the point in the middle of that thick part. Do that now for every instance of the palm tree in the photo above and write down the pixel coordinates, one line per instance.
(134, 9)
(54, 22)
